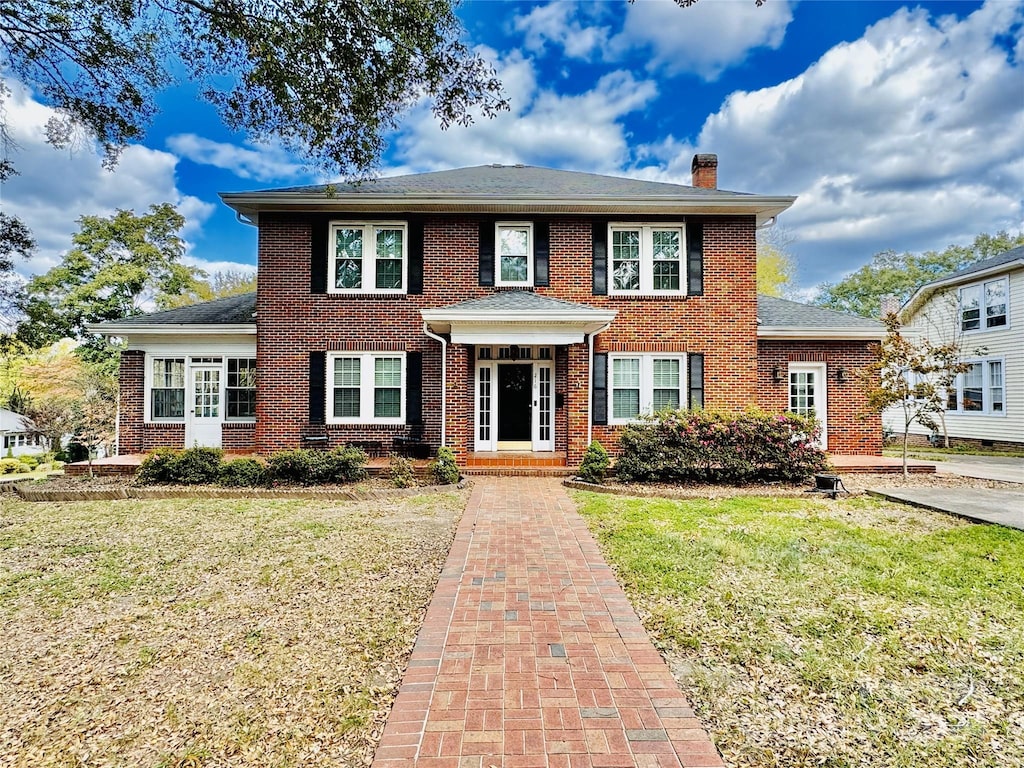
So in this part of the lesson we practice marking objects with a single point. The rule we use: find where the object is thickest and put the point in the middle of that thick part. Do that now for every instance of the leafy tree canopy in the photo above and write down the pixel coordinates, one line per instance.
(117, 267)
(325, 78)
(774, 264)
(219, 286)
(900, 274)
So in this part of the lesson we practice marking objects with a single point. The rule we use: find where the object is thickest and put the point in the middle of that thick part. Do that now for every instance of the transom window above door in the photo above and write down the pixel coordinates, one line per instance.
(368, 257)
(647, 259)
(515, 254)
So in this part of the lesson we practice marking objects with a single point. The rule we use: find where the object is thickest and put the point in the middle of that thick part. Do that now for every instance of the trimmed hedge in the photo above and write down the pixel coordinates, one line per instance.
(206, 466)
(595, 463)
(720, 447)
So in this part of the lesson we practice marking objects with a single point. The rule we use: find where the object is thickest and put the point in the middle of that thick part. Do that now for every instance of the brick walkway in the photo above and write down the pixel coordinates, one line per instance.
(531, 656)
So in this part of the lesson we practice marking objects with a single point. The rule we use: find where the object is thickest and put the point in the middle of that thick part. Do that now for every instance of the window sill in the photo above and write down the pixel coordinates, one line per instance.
(384, 423)
(364, 294)
(648, 296)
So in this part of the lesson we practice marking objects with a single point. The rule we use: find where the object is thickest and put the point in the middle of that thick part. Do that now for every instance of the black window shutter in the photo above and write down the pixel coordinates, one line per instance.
(318, 255)
(599, 245)
(541, 252)
(414, 388)
(694, 258)
(416, 257)
(317, 387)
(695, 374)
(599, 405)
(487, 252)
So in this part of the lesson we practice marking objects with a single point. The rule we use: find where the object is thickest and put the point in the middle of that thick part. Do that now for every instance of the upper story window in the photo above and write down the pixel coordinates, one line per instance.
(368, 257)
(984, 305)
(515, 254)
(366, 388)
(646, 259)
(644, 384)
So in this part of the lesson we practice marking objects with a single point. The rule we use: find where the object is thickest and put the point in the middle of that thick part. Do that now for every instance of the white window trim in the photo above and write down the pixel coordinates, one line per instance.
(528, 226)
(366, 387)
(982, 307)
(646, 382)
(149, 360)
(647, 258)
(986, 389)
(369, 257)
(225, 388)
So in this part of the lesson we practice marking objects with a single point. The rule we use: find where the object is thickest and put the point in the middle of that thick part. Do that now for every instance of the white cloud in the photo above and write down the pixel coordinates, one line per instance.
(55, 187)
(569, 26)
(908, 138)
(263, 163)
(706, 38)
(578, 131)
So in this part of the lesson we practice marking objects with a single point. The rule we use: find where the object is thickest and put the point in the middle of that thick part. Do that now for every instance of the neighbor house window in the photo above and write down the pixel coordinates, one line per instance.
(983, 305)
(644, 384)
(367, 257)
(241, 388)
(515, 254)
(167, 392)
(980, 389)
(646, 259)
(366, 388)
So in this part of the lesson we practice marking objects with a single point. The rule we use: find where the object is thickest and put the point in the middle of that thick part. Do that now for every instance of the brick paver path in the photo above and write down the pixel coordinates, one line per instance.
(531, 656)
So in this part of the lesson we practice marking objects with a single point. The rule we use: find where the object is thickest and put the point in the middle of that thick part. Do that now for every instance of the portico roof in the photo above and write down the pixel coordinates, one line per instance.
(517, 317)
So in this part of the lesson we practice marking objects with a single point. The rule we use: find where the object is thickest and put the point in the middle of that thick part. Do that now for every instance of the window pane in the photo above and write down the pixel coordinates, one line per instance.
(665, 399)
(626, 260)
(389, 273)
(348, 243)
(514, 269)
(387, 372)
(666, 275)
(514, 242)
(970, 313)
(169, 403)
(973, 388)
(666, 373)
(995, 379)
(169, 373)
(387, 403)
(241, 403)
(665, 243)
(626, 372)
(346, 403)
(242, 372)
(346, 372)
(995, 303)
(625, 403)
(389, 243)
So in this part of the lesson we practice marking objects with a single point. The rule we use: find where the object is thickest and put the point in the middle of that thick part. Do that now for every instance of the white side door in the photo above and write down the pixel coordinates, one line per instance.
(204, 412)
(808, 395)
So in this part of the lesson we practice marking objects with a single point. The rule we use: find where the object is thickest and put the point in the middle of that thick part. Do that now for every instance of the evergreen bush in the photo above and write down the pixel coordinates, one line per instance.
(720, 447)
(444, 470)
(10, 467)
(595, 463)
(242, 473)
(155, 467)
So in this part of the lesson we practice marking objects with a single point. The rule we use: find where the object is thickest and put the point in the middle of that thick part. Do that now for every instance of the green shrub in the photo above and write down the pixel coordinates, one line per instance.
(719, 447)
(10, 466)
(242, 473)
(401, 471)
(29, 461)
(595, 463)
(302, 466)
(10, 453)
(154, 469)
(444, 470)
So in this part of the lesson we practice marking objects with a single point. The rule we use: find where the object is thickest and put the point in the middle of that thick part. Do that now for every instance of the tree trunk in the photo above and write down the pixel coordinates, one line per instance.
(906, 437)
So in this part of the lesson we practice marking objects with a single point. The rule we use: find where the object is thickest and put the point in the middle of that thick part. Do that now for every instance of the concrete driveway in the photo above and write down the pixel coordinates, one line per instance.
(1009, 469)
(982, 505)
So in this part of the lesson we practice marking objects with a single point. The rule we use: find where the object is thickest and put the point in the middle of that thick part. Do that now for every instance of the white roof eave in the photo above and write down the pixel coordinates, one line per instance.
(785, 333)
(174, 329)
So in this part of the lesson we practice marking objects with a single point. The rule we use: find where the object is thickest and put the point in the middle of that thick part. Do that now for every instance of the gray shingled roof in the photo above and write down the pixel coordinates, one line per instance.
(233, 310)
(514, 180)
(773, 312)
(511, 302)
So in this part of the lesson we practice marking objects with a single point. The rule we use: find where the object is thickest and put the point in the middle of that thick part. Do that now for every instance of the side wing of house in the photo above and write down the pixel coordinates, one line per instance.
(980, 309)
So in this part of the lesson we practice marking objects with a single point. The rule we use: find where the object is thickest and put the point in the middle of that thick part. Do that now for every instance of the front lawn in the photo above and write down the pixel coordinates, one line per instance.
(846, 634)
(190, 633)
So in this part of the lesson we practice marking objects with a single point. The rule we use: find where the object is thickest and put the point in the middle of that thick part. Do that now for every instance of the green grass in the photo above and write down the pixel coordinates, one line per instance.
(941, 454)
(197, 633)
(839, 634)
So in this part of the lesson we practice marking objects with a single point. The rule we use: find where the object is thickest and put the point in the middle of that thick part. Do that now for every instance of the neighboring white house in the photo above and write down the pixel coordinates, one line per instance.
(982, 308)
(16, 435)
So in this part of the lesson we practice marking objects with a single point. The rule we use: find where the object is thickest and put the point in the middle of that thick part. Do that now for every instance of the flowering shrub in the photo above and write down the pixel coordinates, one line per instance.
(720, 447)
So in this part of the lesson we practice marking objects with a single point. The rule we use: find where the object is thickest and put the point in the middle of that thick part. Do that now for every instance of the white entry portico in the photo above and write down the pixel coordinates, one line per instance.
(514, 335)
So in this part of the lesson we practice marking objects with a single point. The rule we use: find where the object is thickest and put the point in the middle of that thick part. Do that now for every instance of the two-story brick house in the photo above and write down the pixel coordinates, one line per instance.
(492, 309)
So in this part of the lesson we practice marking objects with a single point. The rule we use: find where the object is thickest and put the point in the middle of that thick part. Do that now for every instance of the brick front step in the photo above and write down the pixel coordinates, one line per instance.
(501, 471)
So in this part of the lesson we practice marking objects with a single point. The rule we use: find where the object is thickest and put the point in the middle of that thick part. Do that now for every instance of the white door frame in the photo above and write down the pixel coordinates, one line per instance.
(820, 394)
(204, 431)
(485, 391)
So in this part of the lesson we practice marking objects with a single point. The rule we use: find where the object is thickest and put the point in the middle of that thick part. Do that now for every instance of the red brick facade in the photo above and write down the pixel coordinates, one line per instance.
(293, 322)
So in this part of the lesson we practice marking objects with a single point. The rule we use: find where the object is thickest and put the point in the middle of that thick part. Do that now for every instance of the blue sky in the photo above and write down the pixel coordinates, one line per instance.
(898, 125)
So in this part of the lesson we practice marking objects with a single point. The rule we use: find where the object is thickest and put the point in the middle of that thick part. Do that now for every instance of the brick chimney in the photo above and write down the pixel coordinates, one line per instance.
(704, 171)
